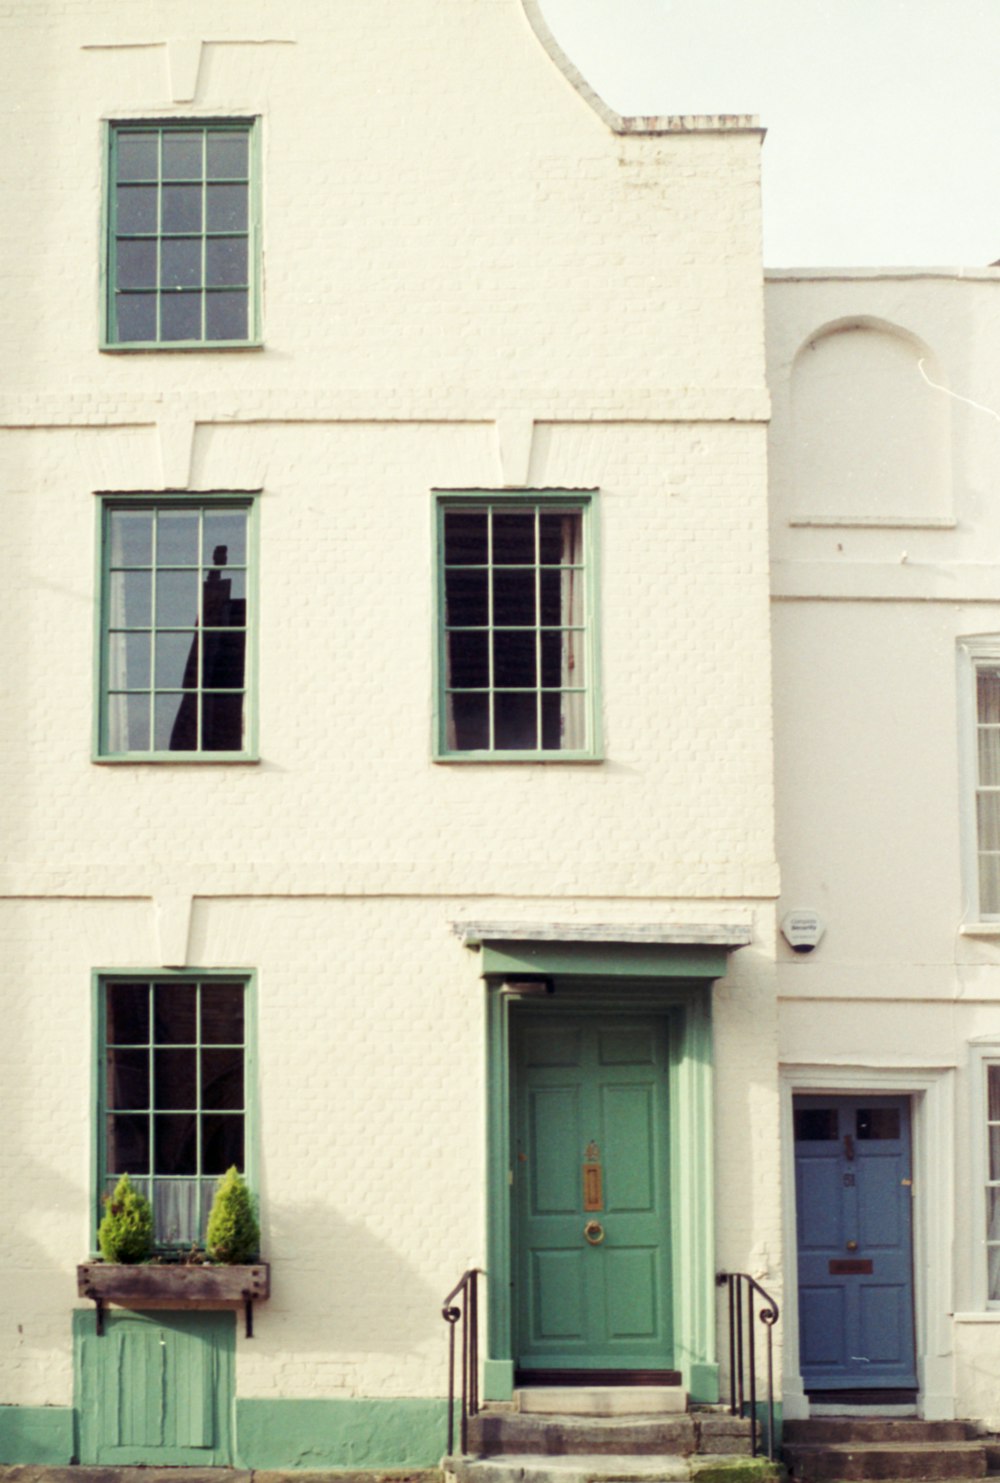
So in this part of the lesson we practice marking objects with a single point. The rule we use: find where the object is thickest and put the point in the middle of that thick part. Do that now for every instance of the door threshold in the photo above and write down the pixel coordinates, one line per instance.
(873, 1411)
(529, 1379)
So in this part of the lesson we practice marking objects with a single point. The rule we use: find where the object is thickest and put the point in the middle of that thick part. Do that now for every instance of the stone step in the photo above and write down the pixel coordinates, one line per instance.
(847, 1462)
(876, 1429)
(601, 1400)
(496, 1435)
(609, 1468)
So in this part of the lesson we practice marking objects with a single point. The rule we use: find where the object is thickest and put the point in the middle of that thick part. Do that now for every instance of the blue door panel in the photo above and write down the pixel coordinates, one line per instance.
(854, 1212)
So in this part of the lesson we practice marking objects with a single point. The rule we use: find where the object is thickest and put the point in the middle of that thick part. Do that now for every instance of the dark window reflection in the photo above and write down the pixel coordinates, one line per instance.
(816, 1125)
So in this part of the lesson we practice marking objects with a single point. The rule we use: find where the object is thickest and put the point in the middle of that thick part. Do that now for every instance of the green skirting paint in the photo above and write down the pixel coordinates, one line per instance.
(42, 1435)
(340, 1434)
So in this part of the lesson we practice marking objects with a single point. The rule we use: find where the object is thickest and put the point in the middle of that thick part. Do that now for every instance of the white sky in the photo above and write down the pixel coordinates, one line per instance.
(883, 116)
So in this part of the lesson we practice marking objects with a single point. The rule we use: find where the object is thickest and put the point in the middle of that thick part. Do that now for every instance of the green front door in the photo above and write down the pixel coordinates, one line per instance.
(155, 1387)
(591, 1198)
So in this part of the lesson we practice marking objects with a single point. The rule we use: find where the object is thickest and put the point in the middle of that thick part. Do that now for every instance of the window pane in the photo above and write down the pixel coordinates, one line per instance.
(225, 537)
(175, 723)
(136, 209)
(127, 1149)
(226, 261)
(177, 660)
(995, 1158)
(176, 599)
(135, 317)
(553, 723)
(514, 596)
(128, 1078)
(131, 604)
(228, 154)
(131, 535)
(222, 1079)
(177, 538)
(514, 658)
(514, 537)
(175, 1144)
(226, 208)
(468, 659)
(469, 721)
(564, 657)
(175, 1007)
(465, 538)
(222, 723)
(181, 210)
(226, 315)
(223, 660)
(561, 538)
(180, 262)
(128, 723)
(128, 660)
(174, 1079)
(989, 885)
(224, 602)
(877, 1123)
(989, 755)
(562, 597)
(180, 316)
(466, 598)
(136, 263)
(816, 1125)
(182, 155)
(988, 814)
(222, 1014)
(128, 1014)
(993, 1086)
(988, 692)
(515, 722)
(222, 1142)
(137, 156)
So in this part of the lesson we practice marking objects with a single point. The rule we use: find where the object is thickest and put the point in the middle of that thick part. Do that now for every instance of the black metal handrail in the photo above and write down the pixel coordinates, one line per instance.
(743, 1373)
(466, 1290)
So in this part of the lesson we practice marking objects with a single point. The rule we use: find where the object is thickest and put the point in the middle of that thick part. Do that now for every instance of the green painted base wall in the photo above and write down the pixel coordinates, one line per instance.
(340, 1434)
(36, 1434)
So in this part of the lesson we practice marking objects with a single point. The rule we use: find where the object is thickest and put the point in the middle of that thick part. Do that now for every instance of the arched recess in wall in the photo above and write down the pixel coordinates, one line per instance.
(871, 438)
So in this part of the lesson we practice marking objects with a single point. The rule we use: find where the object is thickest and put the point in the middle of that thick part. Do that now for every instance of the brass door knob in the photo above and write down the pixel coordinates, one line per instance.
(593, 1232)
(852, 1246)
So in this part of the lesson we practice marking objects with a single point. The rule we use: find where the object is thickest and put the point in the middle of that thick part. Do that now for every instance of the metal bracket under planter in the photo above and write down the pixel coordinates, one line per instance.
(173, 1284)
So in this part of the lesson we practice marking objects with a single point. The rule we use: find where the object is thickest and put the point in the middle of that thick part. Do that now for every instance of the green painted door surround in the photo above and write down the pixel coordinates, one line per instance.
(662, 989)
(155, 1387)
(590, 1197)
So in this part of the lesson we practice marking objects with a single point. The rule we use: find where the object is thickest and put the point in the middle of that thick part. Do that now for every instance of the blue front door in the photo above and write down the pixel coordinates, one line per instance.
(854, 1211)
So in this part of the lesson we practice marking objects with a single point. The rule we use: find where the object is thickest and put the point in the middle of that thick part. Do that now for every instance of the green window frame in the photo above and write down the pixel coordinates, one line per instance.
(182, 234)
(516, 643)
(175, 1074)
(177, 657)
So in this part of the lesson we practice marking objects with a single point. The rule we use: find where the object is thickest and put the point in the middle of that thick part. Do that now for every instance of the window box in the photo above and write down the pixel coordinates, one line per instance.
(173, 1285)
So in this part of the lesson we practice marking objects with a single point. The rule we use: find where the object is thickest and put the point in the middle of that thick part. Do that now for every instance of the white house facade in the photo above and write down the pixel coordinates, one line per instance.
(388, 765)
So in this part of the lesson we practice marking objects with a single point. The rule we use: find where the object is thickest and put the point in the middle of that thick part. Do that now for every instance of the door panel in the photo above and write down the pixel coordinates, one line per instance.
(854, 1216)
(590, 1090)
(155, 1388)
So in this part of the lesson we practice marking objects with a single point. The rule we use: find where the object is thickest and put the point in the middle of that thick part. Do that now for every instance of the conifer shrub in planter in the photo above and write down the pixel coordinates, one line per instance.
(125, 1234)
(233, 1234)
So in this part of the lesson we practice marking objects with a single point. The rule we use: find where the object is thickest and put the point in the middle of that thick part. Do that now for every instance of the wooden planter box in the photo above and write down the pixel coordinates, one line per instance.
(172, 1285)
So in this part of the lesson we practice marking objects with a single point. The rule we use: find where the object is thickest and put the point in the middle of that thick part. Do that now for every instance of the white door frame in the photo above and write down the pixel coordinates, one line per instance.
(932, 1094)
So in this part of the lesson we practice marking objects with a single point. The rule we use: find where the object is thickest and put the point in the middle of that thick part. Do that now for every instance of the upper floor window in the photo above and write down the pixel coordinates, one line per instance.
(175, 628)
(182, 236)
(516, 652)
(983, 729)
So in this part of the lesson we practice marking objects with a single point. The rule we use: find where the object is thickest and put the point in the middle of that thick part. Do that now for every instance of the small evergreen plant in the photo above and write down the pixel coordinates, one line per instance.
(125, 1233)
(233, 1234)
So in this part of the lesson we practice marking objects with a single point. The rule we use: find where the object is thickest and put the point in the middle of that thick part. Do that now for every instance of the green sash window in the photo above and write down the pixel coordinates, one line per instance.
(176, 628)
(182, 234)
(516, 653)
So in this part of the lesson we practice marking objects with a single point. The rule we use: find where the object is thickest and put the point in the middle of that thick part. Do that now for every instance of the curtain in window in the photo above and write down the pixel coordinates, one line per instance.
(573, 711)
